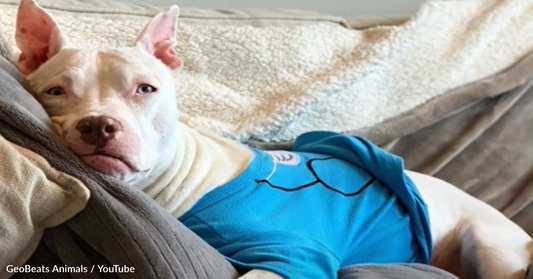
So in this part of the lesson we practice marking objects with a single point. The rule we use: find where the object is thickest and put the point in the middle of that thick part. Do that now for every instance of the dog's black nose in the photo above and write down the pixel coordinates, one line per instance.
(98, 130)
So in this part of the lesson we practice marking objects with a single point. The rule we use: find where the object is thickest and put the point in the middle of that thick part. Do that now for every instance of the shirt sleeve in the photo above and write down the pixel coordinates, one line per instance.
(289, 255)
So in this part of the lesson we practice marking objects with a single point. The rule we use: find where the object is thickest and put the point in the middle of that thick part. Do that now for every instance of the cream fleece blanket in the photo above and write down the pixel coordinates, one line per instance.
(273, 83)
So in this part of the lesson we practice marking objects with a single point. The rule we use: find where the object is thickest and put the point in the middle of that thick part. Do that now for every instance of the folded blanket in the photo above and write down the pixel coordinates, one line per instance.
(287, 78)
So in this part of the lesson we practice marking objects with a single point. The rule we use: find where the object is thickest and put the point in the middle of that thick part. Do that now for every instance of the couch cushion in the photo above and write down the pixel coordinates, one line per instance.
(33, 196)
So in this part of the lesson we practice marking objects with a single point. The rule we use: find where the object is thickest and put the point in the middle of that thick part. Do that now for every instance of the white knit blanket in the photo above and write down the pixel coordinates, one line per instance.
(273, 83)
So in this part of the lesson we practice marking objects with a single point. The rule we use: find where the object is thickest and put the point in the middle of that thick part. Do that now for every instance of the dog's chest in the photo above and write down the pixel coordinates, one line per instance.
(302, 198)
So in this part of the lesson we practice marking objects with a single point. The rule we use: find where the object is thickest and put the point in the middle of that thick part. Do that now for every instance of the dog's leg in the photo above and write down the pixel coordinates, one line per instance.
(260, 274)
(494, 249)
(471, 239)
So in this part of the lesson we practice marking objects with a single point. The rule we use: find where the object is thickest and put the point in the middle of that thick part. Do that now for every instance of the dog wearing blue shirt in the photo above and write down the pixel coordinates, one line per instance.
(331, 202)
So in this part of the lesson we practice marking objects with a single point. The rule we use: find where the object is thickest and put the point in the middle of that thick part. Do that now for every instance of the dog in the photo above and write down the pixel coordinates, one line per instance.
(117, 110)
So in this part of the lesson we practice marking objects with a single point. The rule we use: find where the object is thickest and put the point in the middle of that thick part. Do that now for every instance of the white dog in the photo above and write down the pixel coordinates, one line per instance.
(333, 201)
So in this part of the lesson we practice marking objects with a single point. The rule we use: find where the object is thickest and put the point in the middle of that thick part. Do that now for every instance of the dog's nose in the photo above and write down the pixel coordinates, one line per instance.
(98, 130)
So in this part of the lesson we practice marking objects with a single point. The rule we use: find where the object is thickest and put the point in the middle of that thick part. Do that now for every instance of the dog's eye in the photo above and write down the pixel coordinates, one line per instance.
(145, 89)
(55, 91)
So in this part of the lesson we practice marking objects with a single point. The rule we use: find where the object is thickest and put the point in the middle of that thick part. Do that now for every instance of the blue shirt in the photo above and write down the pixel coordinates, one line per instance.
(332, 202)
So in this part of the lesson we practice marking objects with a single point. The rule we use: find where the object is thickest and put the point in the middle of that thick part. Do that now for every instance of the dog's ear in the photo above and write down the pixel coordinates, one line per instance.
(159, 37)
(37, 36)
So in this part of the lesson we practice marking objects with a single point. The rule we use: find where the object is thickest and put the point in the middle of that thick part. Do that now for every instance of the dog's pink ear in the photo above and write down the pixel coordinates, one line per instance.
(37, 36)
(159, 37)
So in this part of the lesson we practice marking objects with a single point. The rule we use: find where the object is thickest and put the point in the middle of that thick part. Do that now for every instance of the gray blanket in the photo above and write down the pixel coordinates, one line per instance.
(479, 138)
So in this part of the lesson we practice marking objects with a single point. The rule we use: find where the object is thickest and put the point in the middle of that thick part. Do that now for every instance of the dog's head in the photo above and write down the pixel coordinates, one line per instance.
(115, 108)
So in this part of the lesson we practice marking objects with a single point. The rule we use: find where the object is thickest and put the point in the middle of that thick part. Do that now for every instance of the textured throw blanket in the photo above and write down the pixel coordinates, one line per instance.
(273, 83)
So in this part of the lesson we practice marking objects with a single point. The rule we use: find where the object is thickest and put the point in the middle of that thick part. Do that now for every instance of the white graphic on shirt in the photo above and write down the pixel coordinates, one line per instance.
(284, 157)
